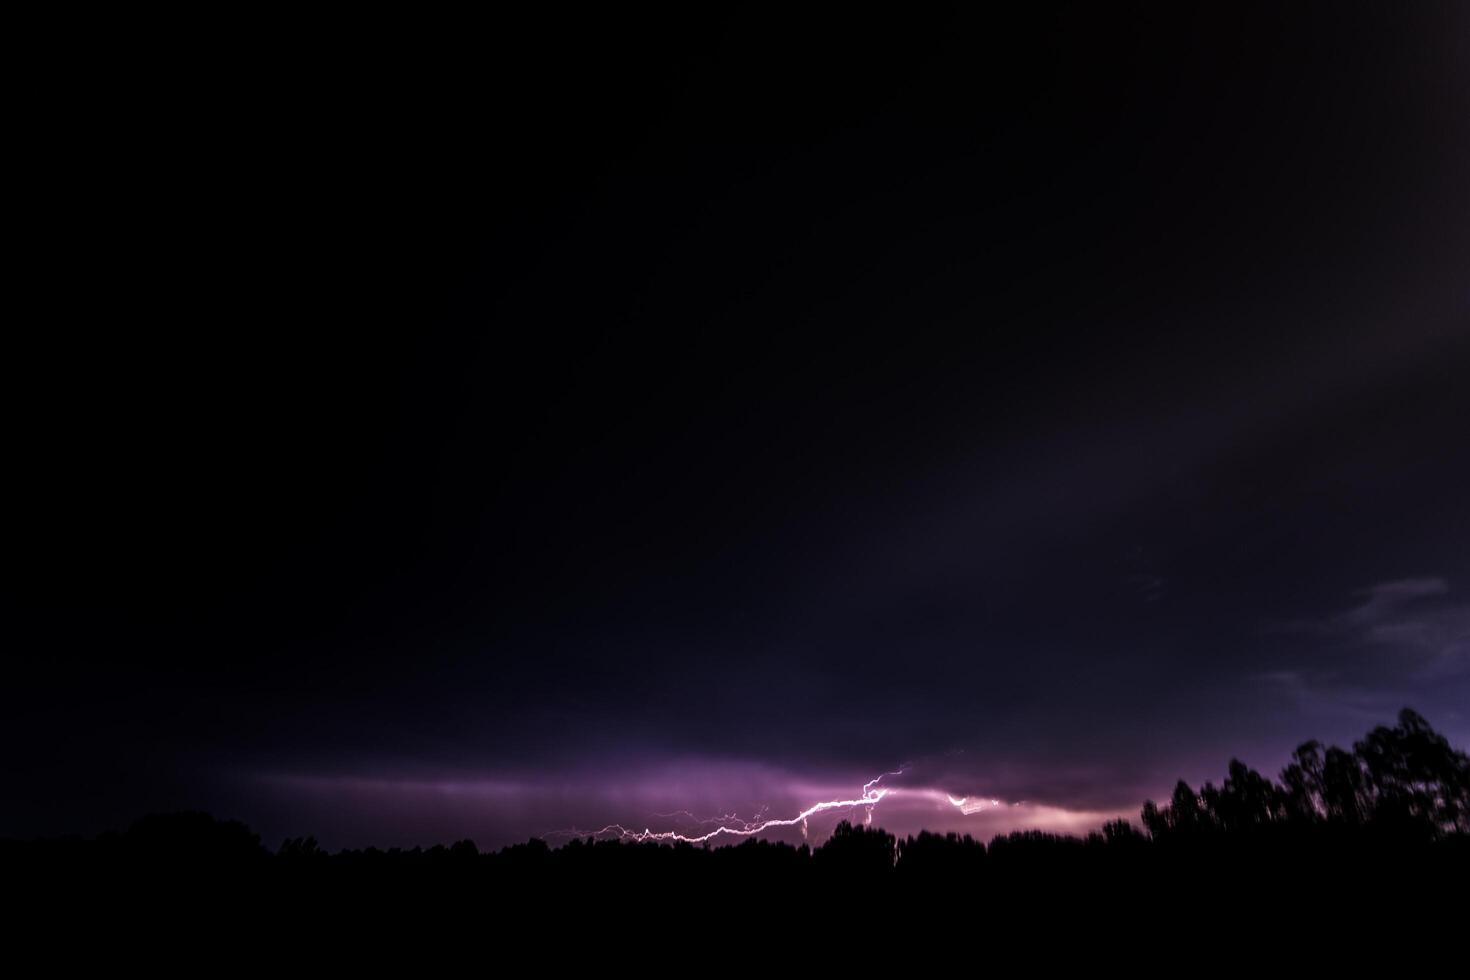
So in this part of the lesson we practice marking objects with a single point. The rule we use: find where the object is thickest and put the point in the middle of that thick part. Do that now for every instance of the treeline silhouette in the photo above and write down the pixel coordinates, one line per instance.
(1387, 822)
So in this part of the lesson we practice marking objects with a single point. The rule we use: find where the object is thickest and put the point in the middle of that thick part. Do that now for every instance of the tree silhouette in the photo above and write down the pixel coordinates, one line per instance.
(1391, 817)
(1405, 781)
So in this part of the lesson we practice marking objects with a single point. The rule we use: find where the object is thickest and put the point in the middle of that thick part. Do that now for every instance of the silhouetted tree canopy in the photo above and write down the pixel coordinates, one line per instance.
(1404, 781)
(1390, 818)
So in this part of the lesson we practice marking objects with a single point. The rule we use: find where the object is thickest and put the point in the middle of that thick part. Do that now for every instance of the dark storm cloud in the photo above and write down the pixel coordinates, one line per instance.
(623, 417)
(1407, 633)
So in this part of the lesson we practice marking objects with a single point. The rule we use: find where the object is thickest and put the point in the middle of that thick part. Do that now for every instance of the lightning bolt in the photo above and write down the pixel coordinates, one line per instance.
(968, 806)
(729, 825)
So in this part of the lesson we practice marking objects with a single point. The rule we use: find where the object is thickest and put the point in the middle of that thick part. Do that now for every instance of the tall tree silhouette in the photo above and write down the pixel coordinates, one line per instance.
(1406, 781)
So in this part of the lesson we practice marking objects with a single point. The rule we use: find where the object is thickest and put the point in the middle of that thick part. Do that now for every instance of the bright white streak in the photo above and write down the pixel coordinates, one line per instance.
(869, 799)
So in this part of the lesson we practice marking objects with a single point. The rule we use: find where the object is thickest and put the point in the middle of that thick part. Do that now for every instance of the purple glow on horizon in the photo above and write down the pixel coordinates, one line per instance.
(662, 804)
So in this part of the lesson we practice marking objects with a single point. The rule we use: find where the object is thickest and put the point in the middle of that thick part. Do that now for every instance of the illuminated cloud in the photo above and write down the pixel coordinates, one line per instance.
(732, 801)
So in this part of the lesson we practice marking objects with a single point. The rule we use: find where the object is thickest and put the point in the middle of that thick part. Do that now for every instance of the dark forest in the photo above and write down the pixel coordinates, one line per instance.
(1360, 828)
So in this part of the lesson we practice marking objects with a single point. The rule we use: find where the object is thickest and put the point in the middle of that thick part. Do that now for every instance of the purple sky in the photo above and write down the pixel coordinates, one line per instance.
(612, 418)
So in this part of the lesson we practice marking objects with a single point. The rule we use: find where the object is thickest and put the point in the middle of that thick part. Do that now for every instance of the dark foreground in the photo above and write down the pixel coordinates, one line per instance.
(1362, 853)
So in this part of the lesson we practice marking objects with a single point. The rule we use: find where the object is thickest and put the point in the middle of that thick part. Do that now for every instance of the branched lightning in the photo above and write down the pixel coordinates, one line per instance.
(730, 825)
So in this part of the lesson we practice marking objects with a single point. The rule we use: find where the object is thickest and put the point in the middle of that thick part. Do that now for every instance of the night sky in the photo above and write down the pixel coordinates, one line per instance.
(486, 429)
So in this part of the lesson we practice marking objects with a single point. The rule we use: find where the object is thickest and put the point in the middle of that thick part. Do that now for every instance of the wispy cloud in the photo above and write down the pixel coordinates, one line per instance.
(1388, 599)
(1415, 628)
